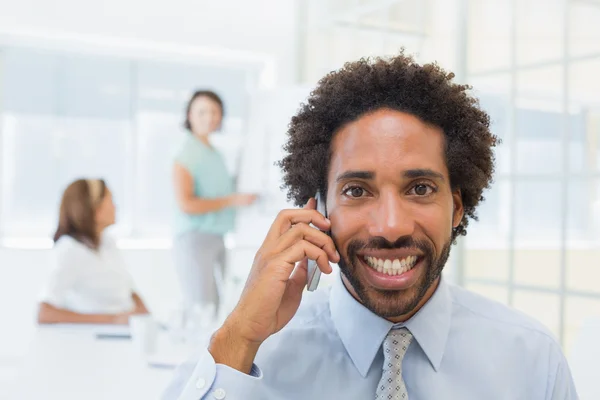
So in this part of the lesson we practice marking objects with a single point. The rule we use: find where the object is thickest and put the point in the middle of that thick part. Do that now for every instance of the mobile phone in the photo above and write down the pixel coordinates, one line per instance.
(314, 273)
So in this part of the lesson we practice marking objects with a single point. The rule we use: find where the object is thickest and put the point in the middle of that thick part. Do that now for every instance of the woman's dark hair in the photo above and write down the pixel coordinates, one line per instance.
(398, 83)
(77, 215)
(201, 93)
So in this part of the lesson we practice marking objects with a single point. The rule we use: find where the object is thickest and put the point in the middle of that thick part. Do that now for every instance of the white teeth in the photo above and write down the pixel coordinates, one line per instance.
(391, 267)
(387, 264)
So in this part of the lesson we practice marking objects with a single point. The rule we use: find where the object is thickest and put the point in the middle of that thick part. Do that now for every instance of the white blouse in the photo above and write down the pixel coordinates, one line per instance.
(89, 281)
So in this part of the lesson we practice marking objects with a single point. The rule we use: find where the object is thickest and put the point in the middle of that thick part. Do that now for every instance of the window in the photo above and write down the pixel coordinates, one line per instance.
(535, 245)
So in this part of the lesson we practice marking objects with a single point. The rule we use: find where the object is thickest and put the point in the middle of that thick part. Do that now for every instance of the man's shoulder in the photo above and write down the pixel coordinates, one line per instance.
(487, 313)
(493, 331)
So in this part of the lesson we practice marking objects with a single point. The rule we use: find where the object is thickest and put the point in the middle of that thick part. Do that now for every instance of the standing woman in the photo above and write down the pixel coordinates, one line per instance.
(205, 197)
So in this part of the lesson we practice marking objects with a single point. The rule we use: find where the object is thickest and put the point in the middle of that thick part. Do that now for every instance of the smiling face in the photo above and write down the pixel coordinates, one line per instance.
(205, 115)
(392, 210)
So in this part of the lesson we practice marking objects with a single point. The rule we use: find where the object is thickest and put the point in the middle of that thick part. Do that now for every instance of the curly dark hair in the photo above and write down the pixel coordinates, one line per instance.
(398, 83)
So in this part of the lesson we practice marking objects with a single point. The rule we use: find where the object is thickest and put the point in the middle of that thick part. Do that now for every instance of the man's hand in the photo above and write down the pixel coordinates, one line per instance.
(273, 293)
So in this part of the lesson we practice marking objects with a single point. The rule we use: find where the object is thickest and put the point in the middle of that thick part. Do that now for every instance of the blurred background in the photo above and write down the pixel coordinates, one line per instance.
(99, 89)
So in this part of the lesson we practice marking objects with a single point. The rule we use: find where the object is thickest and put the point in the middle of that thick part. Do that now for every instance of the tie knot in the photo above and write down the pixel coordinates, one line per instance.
(396, 344)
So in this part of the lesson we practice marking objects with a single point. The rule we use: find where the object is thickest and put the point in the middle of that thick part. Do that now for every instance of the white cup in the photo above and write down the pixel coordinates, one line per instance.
(144, 332)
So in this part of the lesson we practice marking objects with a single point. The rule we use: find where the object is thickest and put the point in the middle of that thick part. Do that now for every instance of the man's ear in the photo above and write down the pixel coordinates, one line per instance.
(459, 211)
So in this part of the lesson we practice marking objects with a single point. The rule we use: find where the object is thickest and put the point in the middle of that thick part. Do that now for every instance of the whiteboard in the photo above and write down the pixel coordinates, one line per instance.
(269, 119)
(270, 115)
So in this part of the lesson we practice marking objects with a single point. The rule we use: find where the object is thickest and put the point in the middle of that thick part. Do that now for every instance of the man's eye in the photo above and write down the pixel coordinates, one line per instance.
(423, 190)
(355, 191)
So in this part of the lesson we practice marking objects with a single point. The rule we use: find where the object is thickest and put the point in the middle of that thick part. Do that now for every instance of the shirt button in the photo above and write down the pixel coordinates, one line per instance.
(219, 394)
(200, 383)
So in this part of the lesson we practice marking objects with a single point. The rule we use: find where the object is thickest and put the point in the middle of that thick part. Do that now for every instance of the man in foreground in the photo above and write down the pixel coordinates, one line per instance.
(402, 156)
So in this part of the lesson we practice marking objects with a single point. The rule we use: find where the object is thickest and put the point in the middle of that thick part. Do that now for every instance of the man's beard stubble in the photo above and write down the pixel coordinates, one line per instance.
(392, 303)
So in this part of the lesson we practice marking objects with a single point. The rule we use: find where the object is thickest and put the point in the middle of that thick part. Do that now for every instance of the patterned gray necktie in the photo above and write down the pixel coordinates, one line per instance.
(391, 386)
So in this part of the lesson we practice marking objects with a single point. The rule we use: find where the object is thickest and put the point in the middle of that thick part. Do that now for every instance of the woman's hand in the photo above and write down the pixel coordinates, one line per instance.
(243, 199)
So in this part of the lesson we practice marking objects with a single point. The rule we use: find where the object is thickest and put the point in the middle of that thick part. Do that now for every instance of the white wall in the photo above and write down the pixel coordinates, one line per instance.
(261, 26)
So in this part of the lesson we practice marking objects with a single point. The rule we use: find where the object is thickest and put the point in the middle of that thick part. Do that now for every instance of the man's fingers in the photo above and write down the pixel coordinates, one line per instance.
(311, 204)
(296, 283)
(299, 275)
(304, 249)
(287, 218)
(302, 231)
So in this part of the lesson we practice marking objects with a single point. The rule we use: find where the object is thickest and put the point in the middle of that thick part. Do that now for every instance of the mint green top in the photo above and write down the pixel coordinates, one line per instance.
(211, 180)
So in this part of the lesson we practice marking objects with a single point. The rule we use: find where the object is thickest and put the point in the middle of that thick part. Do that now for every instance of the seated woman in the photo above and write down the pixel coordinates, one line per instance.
(89, 283)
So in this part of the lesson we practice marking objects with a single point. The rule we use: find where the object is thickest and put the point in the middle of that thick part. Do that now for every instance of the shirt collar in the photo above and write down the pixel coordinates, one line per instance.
(362, 332)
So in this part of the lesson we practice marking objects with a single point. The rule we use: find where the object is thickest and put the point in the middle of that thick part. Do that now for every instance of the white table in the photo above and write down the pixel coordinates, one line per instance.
(70, 363)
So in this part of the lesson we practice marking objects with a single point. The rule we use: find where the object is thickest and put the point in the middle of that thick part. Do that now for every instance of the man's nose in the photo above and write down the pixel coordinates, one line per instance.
(391, 217)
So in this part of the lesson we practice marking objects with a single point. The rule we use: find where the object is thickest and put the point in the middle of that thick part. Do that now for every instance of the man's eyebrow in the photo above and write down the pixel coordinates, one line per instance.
(423, 173)
(410, 174)
(365, 175)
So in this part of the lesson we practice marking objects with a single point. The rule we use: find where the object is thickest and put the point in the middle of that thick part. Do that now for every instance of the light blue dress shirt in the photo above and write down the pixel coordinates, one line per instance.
(465, 347)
